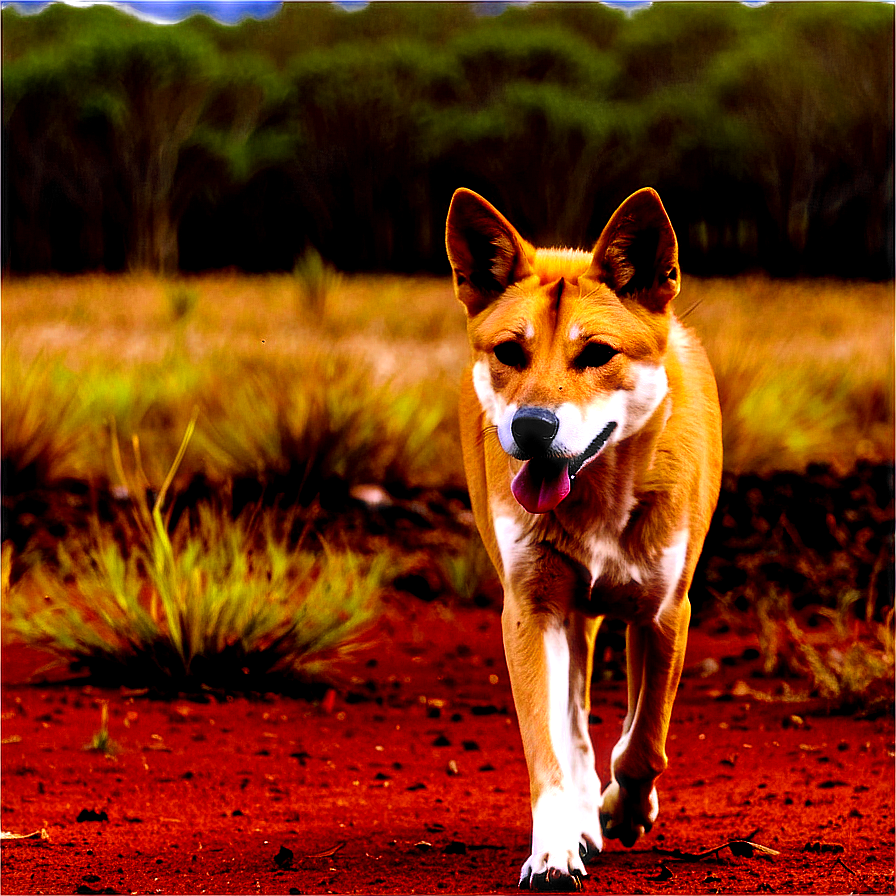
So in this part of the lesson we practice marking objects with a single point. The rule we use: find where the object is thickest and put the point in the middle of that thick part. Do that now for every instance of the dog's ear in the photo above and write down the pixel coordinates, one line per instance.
(637, 253)
(485, 251)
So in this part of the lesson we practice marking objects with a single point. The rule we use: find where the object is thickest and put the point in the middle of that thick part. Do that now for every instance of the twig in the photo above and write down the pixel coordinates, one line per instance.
(7, 836)
(743, 848)
(327, 852)
(841, 862)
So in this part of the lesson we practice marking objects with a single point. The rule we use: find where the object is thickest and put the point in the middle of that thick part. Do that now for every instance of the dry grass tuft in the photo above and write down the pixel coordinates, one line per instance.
(805, 369)
(213, 604)
(43, 425)
(848, 660)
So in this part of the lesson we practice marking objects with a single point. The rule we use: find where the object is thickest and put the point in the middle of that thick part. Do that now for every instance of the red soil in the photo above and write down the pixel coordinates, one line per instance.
(412, 780)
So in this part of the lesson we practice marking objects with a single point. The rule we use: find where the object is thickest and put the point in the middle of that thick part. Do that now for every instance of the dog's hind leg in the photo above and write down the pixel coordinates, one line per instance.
(629, 805)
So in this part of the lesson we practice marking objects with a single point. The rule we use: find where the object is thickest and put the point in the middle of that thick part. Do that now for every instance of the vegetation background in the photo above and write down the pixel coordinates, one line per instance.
(236, 232)
(130, 146)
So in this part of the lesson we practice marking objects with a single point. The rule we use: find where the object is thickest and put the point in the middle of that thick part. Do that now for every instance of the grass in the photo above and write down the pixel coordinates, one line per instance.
(847, 659)
(316, 280)
(276, 391)
(213, 604)
(311, 377)
(102, 741)
(469, 572)
(323, 419)
(38, 448)
(805, 369)
(214, 608)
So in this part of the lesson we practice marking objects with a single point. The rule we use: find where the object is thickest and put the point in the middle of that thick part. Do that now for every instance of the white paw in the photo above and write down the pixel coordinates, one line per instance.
(628, 810)
(560, 870)
(565, 833)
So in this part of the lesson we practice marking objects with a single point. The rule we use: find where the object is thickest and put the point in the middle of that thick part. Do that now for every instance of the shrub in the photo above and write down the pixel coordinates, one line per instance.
(213, 604)
(849, 664)
(41, 423)
(325, 419)
(315, 281)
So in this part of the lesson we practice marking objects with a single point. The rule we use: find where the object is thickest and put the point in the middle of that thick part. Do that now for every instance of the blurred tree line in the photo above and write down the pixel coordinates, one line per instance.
(127, 145)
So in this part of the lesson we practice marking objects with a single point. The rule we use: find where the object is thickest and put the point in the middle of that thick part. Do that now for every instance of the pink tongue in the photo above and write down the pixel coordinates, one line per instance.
(541, 486)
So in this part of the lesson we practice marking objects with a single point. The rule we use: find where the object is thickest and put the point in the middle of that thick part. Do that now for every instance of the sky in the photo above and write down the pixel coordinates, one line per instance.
(169, 11)
(227, 11)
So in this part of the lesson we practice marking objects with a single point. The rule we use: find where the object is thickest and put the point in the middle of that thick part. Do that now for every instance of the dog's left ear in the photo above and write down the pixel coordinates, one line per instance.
(485, 251)
(637, 253)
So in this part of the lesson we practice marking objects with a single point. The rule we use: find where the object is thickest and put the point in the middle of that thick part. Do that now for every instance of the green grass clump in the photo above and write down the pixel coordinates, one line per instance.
(213, 604)
(805, 369)
(469, 573)
(315, 281)
(214, 607)
(312, 419)
(42, 423)
(102, 741)
(849, 664)
(326, 418)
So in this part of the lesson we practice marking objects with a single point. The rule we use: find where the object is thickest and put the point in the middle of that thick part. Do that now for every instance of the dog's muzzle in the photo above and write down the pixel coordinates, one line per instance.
(546, 476)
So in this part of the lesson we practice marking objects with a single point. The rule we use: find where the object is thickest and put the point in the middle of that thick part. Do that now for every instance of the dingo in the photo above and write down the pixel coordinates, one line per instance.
(591, 439)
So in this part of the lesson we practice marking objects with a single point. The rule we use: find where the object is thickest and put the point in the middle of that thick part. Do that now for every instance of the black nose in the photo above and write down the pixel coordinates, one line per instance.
(533, 430)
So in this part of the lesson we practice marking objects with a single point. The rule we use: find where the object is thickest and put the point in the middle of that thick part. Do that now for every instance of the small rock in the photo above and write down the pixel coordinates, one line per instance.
(708, 667)
(820, 846)
(92, 815)
(284, 858)
(455, 848)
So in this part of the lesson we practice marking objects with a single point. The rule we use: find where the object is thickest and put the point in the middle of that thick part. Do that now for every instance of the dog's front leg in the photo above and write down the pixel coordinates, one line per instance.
(581, 634)
(629, 805)
(548, 651)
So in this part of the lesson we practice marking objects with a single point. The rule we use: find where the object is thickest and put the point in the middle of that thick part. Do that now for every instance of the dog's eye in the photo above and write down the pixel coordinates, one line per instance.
(511, 354)
(595, 354)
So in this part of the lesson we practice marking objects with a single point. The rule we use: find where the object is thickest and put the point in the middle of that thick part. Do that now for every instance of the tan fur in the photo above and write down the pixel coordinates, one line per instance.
(607, 548)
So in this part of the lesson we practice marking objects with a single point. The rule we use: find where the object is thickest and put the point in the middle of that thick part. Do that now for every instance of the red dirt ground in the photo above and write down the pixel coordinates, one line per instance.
(412, 780)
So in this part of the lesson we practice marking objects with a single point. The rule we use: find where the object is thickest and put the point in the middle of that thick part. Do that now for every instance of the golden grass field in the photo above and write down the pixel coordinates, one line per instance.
(805, 370)
(297, 380)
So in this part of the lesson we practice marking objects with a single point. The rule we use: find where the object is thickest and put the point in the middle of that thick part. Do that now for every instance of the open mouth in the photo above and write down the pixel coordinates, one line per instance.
(544, 482)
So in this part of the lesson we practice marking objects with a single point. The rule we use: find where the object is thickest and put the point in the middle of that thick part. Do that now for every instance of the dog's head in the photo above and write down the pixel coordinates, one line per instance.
(567, 346)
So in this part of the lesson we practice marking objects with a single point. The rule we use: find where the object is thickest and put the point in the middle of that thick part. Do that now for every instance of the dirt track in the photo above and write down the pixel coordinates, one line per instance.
(412, 780)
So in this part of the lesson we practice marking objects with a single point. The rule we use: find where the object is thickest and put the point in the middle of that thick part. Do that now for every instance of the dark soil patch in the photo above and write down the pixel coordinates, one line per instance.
(411, 779)
(812, 536)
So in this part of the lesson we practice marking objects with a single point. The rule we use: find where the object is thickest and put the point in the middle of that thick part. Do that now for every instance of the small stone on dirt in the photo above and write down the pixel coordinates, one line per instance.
(92, 815)
(455, 848)
(820, 846)
(284, 858)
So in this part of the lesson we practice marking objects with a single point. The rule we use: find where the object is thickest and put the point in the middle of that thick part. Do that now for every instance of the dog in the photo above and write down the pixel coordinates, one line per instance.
(591, 438)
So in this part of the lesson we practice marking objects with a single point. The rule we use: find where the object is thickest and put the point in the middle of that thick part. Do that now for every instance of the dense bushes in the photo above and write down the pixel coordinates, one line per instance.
(769, 132)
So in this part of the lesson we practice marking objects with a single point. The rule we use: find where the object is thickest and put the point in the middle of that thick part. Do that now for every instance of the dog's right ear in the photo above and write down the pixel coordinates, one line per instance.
(485, 251)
